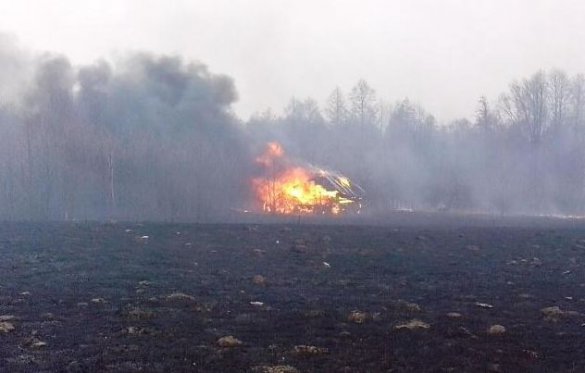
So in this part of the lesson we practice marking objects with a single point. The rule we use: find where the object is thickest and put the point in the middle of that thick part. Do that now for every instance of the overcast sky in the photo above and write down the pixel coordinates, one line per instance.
(442, 54)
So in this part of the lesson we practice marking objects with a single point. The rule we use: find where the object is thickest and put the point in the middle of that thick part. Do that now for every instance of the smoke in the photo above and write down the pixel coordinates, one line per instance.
(15, 67)
(142, 137)
(150, 137)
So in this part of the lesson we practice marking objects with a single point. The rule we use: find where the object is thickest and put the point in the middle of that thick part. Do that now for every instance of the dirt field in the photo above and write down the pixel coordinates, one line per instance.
(295, 298)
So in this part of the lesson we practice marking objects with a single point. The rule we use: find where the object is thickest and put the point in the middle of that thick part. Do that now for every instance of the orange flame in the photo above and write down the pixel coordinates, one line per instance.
(289, 189)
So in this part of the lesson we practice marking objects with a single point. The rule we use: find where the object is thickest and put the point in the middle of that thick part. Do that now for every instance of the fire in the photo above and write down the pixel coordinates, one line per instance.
(291, 189)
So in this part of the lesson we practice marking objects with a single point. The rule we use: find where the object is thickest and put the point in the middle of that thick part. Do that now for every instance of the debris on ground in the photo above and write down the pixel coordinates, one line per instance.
(137, 331)
(6, 327)
(357, 317)
(275, 369)
(34, 342)
(137, 314)
(408, 307)
(180, 297)
(48, 316)
(306, 350)
(229, 341)
(496, 330)
(555, 313)
(300, 246)
(413, 324)
(259, 280)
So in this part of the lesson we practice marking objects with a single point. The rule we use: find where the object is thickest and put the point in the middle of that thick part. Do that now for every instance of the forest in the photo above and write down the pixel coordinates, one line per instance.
(150, 137)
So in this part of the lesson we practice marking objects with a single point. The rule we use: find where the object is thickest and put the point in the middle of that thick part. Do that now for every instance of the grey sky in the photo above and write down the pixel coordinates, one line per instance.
(442, 54)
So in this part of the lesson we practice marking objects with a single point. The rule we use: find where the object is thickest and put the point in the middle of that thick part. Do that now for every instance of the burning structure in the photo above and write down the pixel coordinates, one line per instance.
(289, 188)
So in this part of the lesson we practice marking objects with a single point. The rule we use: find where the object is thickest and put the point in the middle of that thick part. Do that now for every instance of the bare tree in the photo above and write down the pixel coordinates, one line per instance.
(336, 109)
(363, 99)
(484, 118)
(527, 106)
(559, 97)
(577, 98)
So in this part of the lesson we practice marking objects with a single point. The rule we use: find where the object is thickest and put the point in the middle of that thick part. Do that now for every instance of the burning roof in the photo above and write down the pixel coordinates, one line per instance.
(286, 187)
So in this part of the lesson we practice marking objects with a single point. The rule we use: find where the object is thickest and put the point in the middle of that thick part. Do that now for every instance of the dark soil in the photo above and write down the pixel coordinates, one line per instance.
(101, 297)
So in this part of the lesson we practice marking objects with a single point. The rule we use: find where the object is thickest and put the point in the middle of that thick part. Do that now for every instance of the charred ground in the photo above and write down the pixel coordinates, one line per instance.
(157, 297)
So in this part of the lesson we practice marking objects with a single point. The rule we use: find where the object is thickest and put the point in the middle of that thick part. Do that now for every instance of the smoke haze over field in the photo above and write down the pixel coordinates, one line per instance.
(155, 136)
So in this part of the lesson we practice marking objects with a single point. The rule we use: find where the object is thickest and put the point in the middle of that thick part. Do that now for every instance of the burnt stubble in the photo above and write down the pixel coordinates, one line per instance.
(123, 297)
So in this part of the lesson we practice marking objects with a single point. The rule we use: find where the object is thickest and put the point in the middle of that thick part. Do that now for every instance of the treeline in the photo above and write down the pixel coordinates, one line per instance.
(155, 138)
(523, 152)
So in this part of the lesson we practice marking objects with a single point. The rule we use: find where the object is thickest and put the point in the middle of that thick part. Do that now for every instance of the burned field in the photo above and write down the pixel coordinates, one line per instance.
(291, 298)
